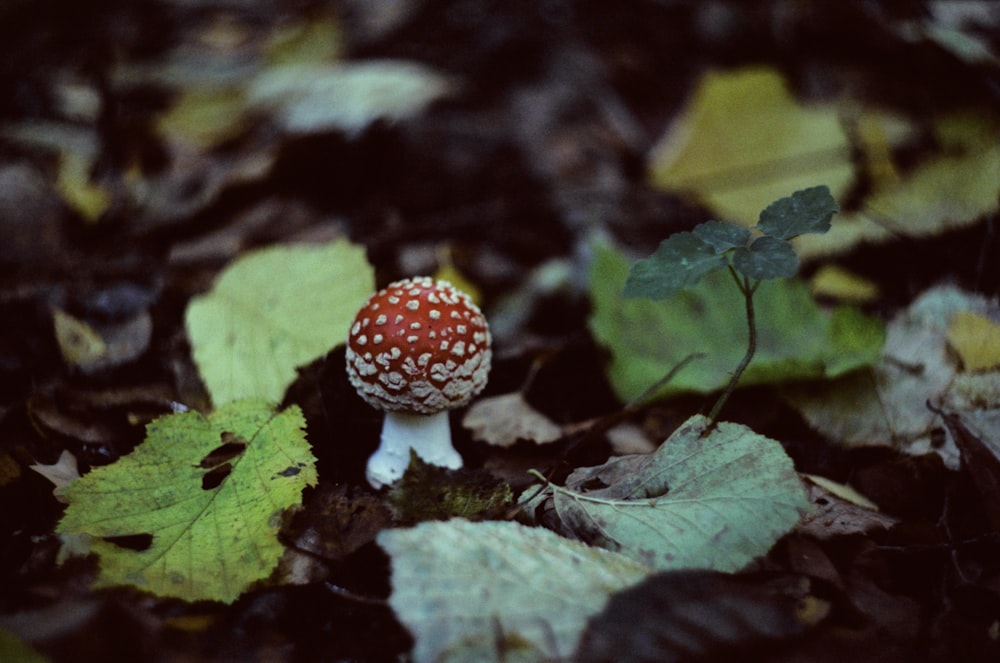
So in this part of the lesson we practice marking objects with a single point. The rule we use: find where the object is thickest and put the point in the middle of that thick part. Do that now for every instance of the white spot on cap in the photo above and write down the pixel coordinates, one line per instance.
(355, 328)
(413, 338)
(413, 304)
(362, 339)
(458, 349)
(377, 338)
(381, 319)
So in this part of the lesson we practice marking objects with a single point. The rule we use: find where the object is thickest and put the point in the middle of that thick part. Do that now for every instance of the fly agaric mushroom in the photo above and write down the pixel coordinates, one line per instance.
(417, 348)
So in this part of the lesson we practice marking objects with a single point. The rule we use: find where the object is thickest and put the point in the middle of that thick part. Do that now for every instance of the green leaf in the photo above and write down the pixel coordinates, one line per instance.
(721, 235)
(806, 211)
(714, 502)
(15, 650)
(796, 338)
(194, 511)
(766, 258)
(679, 262)
(466, 589)
(272, 310)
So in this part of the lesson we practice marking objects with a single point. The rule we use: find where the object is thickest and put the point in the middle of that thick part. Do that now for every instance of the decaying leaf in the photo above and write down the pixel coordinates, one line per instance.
(700, 616)
(712, 502)
(980, 456)
(839, 510)
(470, 591)
(195, 510)
(887, 404)
(505, 419)
(61, 473)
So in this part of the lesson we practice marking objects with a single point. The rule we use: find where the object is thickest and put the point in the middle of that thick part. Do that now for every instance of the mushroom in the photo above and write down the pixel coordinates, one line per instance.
(417, 348)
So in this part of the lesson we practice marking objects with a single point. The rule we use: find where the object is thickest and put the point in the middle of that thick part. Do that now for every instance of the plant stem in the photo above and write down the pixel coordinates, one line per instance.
(747, 287)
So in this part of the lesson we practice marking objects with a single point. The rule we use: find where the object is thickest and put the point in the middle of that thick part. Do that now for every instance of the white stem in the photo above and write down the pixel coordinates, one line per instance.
(427, 434)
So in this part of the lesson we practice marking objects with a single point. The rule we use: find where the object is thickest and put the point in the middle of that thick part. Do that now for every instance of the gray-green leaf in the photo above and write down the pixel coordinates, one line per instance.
(805, 211)
(679, 262)
(721, 235)
(767, 258)
(715, 502)
(498, 590)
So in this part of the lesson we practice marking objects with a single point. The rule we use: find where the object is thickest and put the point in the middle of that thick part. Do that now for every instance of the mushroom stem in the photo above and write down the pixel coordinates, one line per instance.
(427, 434)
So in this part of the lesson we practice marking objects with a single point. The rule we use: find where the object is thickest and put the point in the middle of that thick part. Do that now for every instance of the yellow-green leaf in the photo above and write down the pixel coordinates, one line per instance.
(839, 283)
(744, 141)
(952, 189)
(272, 310)
(194, 511)
(76, 188)
(976, 339)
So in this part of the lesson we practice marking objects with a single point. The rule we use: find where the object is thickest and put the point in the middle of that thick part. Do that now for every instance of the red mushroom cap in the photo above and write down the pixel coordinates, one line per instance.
(418, 345)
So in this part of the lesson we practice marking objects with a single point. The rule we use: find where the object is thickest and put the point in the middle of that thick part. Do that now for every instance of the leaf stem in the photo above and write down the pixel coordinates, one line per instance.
(747, 286)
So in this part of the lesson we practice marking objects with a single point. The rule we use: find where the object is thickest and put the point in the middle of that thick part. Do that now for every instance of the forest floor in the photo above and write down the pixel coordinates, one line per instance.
(146, 146)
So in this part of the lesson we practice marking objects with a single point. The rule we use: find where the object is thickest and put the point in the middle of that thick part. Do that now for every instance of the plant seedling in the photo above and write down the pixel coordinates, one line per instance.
(751, 255)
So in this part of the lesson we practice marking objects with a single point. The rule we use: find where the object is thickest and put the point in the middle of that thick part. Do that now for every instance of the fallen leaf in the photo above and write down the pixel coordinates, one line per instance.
(841, 491)
(205, 117)
(175, 519)
(272, 310)
(12, 648)
(955, 187)
(61, 473)
(76, 187)
(700, 616)
(976, 339)
(842, 285)
(503, 420)
(315, 97)
(79, 343)
(796, 338)
(839, 510)
(468, 591)
(99, 346)
(743, 141)
(887, 403)
(712, 502)
(980, 461)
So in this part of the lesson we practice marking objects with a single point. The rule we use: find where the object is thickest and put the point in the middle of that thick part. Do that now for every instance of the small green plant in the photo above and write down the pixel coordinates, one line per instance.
(751, 255)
